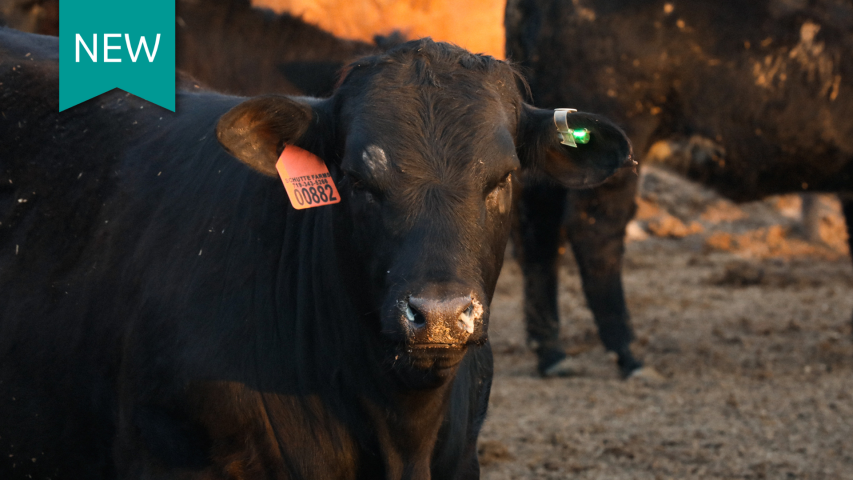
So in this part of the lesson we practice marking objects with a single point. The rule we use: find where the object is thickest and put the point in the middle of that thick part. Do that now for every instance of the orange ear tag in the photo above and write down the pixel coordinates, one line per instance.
(306, 179)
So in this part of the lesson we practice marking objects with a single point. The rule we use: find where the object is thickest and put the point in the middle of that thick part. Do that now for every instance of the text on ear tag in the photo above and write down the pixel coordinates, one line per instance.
(306, 179)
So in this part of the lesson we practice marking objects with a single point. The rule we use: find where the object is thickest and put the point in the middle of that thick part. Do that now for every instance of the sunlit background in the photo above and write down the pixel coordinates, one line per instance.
(476, 25)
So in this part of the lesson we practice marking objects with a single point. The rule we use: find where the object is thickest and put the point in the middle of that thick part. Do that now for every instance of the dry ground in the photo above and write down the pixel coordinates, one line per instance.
(749, 324)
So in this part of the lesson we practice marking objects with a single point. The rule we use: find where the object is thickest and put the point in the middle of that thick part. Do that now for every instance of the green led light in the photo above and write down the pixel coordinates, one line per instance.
(581, 135)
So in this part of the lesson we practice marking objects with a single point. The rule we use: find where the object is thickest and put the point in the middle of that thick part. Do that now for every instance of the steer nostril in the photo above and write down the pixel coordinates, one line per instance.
(415, 316)
(466, 320)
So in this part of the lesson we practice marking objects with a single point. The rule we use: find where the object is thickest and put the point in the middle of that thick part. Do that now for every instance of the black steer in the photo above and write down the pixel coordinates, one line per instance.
(166, 313)
(752, 98)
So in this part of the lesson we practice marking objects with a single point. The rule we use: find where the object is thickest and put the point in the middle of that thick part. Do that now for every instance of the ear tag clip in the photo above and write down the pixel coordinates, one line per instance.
(568, 136)
(306, 179)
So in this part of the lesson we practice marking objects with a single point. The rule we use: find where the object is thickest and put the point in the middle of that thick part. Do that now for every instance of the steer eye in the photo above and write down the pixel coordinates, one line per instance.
(500, 184)
(357, 183)
(360, 186)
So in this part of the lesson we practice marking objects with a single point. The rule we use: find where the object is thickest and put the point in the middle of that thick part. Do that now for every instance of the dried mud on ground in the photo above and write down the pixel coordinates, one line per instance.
(748, 322)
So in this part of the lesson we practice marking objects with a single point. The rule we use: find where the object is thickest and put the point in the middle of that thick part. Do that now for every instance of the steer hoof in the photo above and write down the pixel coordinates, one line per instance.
(646, 374)
(566, 367)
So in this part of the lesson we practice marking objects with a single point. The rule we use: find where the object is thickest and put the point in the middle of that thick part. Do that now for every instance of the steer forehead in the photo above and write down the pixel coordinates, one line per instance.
(430, 134)
(428, 107)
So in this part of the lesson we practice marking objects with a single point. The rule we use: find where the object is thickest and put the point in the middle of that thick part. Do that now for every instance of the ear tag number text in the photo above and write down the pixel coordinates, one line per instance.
(306, 179)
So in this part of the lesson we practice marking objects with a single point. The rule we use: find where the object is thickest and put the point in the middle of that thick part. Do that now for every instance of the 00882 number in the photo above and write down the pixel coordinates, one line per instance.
(314, 195)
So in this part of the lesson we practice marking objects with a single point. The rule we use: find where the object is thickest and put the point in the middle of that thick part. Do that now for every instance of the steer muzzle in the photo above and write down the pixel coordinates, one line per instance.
(448, 321)
(430, 330)
(436, 316)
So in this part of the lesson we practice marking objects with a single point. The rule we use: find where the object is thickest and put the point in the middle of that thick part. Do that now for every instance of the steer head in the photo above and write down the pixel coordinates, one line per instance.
(423, 142)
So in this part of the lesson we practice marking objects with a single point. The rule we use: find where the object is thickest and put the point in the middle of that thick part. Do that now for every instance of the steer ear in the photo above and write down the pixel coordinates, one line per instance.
(585, 165)
(257, 130)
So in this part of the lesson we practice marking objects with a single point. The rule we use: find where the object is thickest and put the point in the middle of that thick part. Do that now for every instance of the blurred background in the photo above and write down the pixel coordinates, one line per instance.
(476, 25)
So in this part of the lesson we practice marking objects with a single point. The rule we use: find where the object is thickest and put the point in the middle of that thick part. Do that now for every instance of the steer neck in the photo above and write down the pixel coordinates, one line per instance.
(407, 428)
(403, 422)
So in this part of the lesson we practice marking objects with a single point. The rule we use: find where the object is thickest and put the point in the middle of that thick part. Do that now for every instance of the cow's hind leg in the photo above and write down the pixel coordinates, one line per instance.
(596, 222)
(847, 208)
(537, 243)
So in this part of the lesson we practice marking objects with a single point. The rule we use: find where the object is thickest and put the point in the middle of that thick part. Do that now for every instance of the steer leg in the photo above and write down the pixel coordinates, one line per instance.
(537, 243)
(847, 208)
(596, 221)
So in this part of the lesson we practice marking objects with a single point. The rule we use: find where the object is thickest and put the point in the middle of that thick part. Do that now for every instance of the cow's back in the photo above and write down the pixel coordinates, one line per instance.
(235, 48)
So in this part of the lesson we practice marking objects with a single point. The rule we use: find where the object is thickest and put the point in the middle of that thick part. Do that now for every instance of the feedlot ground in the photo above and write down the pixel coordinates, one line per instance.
(758, 378)
(757, 358)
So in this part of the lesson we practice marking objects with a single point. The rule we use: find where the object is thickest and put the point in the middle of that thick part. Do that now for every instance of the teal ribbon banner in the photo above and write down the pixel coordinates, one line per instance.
(107, 44)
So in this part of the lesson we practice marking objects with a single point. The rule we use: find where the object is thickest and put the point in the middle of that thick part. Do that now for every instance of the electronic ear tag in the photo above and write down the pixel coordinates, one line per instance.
(569, 136)
(306, 179)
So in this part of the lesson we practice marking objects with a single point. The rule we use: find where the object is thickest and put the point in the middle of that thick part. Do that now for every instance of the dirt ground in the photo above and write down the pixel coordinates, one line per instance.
(749, 323)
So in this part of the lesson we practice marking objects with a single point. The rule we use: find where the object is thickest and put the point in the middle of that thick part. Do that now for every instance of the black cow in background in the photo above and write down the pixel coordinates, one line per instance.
(592, 220)
(233, 47)
(34, 16)
(166, 313)
(752, 98)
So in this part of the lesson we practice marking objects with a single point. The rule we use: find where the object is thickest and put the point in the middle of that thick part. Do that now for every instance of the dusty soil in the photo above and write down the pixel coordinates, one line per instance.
(748, 321)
